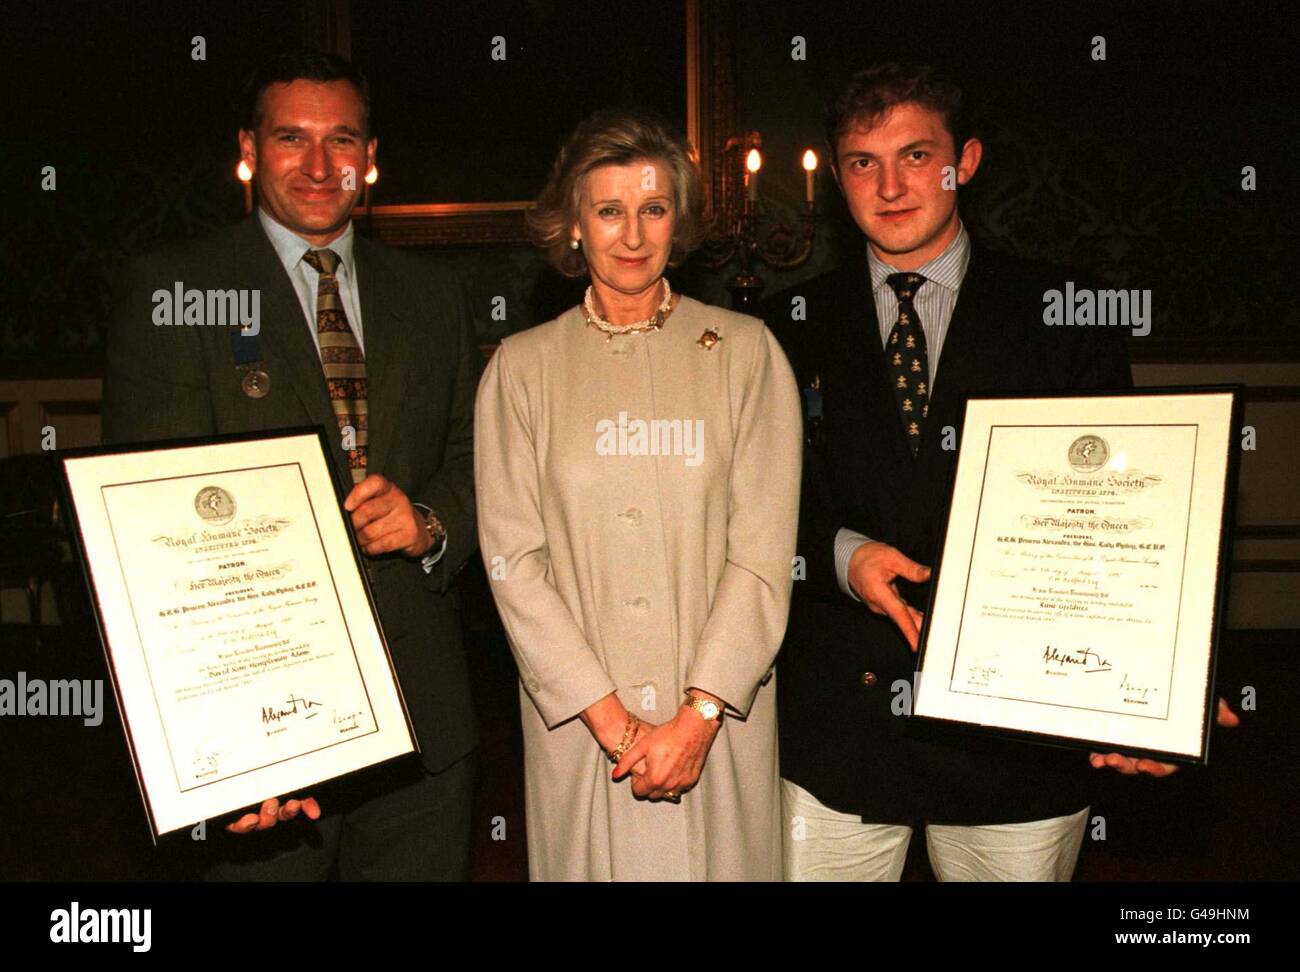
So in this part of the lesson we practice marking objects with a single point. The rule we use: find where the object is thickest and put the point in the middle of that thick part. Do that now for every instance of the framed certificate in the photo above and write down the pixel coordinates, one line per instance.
(1081, 583)
(245, 652)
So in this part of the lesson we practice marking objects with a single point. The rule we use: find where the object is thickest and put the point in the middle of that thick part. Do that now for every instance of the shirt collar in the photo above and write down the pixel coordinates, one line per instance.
(947, 269)
(290, 247)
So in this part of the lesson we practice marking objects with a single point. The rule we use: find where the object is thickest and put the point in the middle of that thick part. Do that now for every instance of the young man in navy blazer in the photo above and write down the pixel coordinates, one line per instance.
(892, 340)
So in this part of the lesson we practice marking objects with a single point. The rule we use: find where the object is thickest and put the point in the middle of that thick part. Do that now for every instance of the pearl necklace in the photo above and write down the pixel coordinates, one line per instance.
(653, 324)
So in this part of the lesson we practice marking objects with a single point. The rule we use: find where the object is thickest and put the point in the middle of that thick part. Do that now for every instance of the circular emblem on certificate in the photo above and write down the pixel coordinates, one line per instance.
(215, 505)
(1088, 453)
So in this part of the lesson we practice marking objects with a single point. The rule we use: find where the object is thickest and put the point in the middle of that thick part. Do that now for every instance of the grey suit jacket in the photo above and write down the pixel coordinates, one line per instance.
(422, 365)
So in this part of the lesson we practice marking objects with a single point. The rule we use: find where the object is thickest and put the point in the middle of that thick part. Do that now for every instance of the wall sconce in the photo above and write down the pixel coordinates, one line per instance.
(744, 231)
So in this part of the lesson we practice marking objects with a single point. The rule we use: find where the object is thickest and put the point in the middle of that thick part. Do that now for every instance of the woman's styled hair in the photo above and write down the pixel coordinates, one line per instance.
(615, 138)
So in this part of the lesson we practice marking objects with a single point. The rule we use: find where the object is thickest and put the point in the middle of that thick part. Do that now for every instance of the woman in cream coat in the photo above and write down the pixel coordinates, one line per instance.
(637, 464)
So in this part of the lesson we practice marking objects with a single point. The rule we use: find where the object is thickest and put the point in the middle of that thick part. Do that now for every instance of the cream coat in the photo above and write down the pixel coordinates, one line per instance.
(618, 570)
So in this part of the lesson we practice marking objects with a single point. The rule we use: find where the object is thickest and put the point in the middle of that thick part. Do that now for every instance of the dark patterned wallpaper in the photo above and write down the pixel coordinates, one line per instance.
(1144, 213)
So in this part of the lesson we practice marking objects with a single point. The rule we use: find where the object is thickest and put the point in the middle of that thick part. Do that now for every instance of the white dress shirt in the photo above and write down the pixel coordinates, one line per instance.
(290, 247)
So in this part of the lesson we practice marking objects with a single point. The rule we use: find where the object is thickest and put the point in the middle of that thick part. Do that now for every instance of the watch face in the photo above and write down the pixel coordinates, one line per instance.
(709, 710)
(433, 525)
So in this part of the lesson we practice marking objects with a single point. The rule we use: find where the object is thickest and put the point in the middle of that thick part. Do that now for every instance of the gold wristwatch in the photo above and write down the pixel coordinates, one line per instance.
(432, 524)
(711, 711)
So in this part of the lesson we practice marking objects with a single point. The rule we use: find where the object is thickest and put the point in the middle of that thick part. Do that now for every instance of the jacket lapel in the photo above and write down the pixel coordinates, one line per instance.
(865, 360)
(970, 349)
(387, 368)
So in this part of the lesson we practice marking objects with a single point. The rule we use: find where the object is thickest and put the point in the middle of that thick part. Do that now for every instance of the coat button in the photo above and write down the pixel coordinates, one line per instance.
(868, 678)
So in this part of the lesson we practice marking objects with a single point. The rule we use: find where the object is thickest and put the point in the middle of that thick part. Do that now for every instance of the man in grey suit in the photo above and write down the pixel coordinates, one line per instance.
(375, 345)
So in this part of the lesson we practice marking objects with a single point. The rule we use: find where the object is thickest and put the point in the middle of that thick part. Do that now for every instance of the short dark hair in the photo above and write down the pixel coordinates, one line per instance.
(306, 64)
(876, 89)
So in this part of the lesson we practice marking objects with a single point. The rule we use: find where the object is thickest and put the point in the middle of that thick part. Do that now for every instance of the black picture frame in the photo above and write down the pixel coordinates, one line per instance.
(919, 725)
(72, 525)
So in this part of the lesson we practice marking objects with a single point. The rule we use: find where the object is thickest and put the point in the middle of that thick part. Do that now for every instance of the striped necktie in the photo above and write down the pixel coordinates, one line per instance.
(909, 369)
(341, 357)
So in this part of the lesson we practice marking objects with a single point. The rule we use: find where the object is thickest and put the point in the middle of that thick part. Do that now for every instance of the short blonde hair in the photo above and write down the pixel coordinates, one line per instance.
(615, 138)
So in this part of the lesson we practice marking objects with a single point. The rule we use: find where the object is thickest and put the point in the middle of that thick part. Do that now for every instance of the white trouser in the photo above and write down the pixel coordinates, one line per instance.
(821, 844)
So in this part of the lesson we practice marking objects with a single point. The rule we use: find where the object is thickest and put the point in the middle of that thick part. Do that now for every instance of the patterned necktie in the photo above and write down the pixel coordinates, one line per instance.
(909, 369)
(341, 357)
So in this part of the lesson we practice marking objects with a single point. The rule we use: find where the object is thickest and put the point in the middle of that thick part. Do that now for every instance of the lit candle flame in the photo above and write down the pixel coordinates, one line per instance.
(242, 172)
(810, 161)
(754, 160)
(372, 176)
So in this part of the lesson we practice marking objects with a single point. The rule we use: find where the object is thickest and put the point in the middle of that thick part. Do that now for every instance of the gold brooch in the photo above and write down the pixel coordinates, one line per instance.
(708, 339)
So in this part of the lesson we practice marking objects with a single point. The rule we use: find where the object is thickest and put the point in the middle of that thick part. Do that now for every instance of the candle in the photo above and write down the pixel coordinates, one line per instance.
(753, 162)
(245, 175)
(809, 170)
(372, 176)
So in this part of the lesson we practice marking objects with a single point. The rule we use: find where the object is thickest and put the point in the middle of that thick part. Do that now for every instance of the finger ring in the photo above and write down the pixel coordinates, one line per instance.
(672, 795)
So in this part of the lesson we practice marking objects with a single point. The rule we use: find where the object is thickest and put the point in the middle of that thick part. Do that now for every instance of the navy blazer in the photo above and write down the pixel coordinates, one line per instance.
(839, 735)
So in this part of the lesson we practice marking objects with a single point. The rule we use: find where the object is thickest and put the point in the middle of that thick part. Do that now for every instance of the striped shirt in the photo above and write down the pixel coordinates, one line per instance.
(934, 300)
